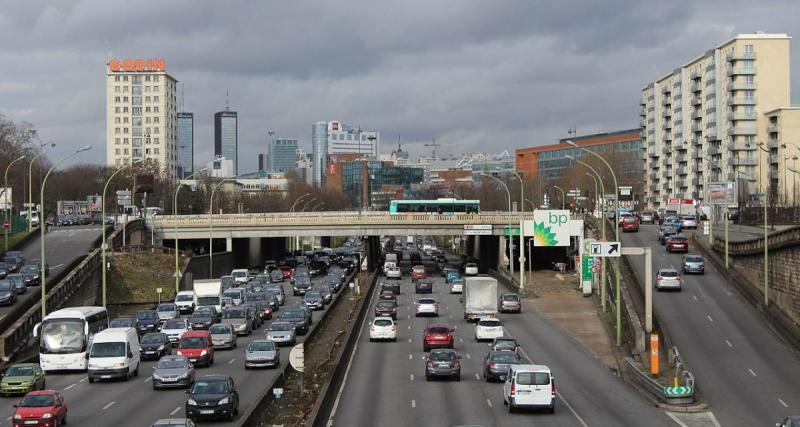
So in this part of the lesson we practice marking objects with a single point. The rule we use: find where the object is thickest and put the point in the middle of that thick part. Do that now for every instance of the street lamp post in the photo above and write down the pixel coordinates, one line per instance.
(616, 234)
(103, 222)
(510, 234)
(563, 196)
(6, 199)
(297, 200)
(211, 228)
(766, 232)
(42, 277)
(175, 213)
(794, 166)
(30, 186)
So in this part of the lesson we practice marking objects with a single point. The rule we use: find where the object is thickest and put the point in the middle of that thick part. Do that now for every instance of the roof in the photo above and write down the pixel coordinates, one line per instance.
(586, 141)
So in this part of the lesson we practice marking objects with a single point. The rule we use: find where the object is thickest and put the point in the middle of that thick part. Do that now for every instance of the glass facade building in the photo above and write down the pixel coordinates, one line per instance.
(185, 139)
(377, 175)
(282, 155)
(226, 137)
(319, 151)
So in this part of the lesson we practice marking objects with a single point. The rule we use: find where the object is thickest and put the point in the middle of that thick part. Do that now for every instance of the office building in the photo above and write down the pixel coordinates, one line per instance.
(220, 167)
(263, 163)
(141, 114)
(319, 151)
(282, 155)
(346, 139)
(185, 139)
(705, 121)
(369, 181)
(226, 143)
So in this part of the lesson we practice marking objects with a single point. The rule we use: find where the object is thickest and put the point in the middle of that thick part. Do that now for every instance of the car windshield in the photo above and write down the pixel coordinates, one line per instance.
(509, 297)
(678, 239)
(533, 378)
(36, 401)
(227, 281)
(505, 345)
(234, 314)
(184, 297)
(220, 328)
(315, 294)
(120, 323)
(385, 304)
(261, 346)
(669, 273)
(489, 323)
(210, 387)
(166, 307)
(426, 301)
(293, 315)
(152, 338)
(504, 358)
(238, 274)
(383, 322)
(443, 355)
(146, 315)
(176, 363)
(232, 294)
(193, 342)
(279, 326)
(15, 278)
(695, 258)
(201, 315)
(5, 286)
(19, 371)
(174, 324)
(30, 269)
(108, 349)
(439, 330)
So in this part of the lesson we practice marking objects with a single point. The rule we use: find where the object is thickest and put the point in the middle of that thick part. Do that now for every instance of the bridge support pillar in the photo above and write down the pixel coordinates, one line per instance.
(373, 253)
(228, 244)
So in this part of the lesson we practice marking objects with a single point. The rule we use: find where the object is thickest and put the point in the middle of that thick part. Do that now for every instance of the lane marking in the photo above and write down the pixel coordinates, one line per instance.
(409, 326)
(695, 298)
(709, 318)
(677, 421)
(82, 380)
(478, 377)
(461, 340)
(729, 343)
(408, 316)
(783, 403)
(175, 411)
(489, 402)
(69, 386)
(148, 379)
(571, 409)
(468, 356)
(409, 340)
(108, 405)
(412, 377)
(410, 356)
(413, 403)
(752, 372)
(451, 316)
(230, 362)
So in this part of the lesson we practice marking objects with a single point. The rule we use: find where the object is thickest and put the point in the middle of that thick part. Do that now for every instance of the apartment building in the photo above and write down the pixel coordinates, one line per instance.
(706, 121)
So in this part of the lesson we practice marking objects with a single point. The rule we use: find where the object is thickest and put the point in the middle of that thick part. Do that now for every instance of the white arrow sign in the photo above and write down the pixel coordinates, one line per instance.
(605, 249)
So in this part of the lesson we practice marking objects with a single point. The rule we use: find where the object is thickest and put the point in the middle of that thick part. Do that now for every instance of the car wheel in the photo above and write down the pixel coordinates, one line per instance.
(511, 408)
(91, 380)
(457, 377)
(44, 385)
(136, 371)
(427, 378)
(64, 420)
(371, 339)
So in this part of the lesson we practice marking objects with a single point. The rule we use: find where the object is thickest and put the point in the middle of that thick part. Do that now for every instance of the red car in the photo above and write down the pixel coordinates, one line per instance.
(197, 347)
(677, 244)
(630, 223)
(287, 271)
(41, 408)
(418, 272)
(437, 337)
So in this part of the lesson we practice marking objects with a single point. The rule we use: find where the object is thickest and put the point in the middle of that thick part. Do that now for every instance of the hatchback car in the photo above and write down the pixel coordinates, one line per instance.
(21, 378)
(647, 217)
(506, 344)
(213, 396)
(153, 345)
(172, 371)
(297, 318)
(197, 347)
(689, 222)
(630, 223)
(423, 286)
(386, 308)
(391, 285)
(665, 233)
(167, 311)
(41, 408)
(443, 362)
(677, 244)
(693, 263)
(8, 293)
(147, 321)
(509, 303)
(313, 300)
(496, 364)
(668, 278)
(30, 274)
(393, 273)
(240, 319)
(426, 307)
(488, 328)
(262, 354)
(18, 281)
(223, 336)
(174, 328)
(471, 269)
(437, 337)
(418, 272)
(276, 276)
(383, 328)
(282, 333)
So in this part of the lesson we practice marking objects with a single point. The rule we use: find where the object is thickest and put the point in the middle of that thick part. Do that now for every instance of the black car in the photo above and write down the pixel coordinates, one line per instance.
(276, 276)
(496, 364)
(8, 294)
(148, 321)
(124, 322)
(3, 270)
(38, 263)
(301, 284)
(154, 345)
(423, 286)
(386, 308)
(297, 318)
(213, 396)
(13, 262)
(201, 320)
(391, 285)
(30, 274)
(443, 362)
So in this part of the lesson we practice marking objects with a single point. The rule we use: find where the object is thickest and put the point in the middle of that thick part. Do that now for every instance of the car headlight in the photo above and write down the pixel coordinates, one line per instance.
(184, 375)
(156, 377)
(17, 416)
(119, 365)
(161, 347)
(191, 402)
(47, 415)
(203, 353)
(223, 401)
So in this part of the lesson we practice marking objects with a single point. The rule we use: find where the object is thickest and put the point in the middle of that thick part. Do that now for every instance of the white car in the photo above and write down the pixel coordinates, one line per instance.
(427, 307)
(185, 301)
(488, 328)
(393, 273)
(240, 276)
(457, 286)
(387, 265)
(383, 328)
(668, 278)
(471, 269)
(688, 222)
(174, 328)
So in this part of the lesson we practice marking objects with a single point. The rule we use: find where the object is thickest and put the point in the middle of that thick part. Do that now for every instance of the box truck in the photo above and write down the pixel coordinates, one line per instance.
(208, 292)
(480, 297)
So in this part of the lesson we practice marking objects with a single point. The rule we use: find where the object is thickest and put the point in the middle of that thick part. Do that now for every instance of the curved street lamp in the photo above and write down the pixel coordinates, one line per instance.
(5, 198)
(563, 196)
(174, 213)
(510, 236)
(42, 277)
(298, 200)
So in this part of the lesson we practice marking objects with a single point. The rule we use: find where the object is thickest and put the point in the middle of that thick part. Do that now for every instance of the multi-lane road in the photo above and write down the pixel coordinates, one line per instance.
(134, 403)
(386, 384)
(747, 374)
(62, 246)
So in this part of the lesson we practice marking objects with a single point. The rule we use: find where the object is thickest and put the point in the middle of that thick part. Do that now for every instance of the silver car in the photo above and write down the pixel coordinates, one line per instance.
(174, 328)
(282, 333)
(172, 371)
(239, 318)
(261, 354)
(668, 278)
(222, 336)
(509, 303)
(427, 307)
(167, 311)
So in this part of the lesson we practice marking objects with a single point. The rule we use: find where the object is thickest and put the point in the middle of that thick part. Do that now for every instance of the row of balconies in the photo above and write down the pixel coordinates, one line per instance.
(737, 56)
(740, 71)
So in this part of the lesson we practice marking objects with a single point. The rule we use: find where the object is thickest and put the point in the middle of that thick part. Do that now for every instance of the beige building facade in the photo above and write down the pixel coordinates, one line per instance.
(141, 114)
(706, 121)
(783, 141)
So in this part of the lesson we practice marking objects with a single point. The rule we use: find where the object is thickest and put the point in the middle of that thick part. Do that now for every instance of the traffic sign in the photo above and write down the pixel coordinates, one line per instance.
(296, 358)
(605, 249)
(477, 229)
(678, 391)
(6, 224)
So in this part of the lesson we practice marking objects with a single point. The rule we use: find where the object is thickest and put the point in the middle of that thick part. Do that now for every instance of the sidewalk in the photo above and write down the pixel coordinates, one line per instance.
(558, 299)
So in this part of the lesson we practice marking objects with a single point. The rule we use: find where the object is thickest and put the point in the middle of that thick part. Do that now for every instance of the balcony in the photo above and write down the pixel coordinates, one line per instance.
(666, 125)
(681, 146)
(642, 102)
(697, 154)
(741, 86)
(696, 114)
(740, 146)
(697, 142)
(697, 127)
(773, 128)
(667, 138)
(710, 66)
(653, 164)
(654, 176)
(742, 101)
(681, 183)
(667, 149)
(695, 87)
(742, 116)
(773, 143)
(654, 188)
(694, 74)
(742, 130)
(682, 171)
(740, 71)
(642, 134)
(665, 88)
(650, 109)
(713, 151)
(680, 158)
(774, 158)
(774, 175)
(642, 122)
(697, 168)
(677, 133)
(738, 56)
(696, 181)
(742, 162)
(666, 113)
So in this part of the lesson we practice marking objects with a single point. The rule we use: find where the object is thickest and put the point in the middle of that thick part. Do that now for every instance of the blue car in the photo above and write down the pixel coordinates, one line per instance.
(451, 276)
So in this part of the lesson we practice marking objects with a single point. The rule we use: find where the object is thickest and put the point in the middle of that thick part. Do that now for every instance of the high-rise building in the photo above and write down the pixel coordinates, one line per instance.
(220, 167)
(263, 163)
(282, 155)
(185, 145)
(346, 139)
(705, 121)
(226, 137)
(141, 113)
(319, 151)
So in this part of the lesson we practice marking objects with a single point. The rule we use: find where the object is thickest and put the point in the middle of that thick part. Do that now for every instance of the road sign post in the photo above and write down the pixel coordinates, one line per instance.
(654, 364)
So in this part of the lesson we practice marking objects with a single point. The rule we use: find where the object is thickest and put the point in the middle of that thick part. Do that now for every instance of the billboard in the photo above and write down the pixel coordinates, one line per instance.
(5, 198)
(721, 193)
(549, 227)
(95, 203)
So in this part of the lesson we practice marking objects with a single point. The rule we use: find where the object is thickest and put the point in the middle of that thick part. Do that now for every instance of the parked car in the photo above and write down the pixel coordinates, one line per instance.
(509, 303)
(262, 354)
(383, 328)
(41, 408)
(154, 345)
(677, 244)
(223, 336)
(20, 378)
(213, 396)
(437, 336)
(496, 364)
(668, 278)
(172, 371)
(443, 362)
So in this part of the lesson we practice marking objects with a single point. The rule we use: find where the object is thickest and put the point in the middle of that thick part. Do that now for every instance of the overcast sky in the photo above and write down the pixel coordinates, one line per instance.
(478, 75)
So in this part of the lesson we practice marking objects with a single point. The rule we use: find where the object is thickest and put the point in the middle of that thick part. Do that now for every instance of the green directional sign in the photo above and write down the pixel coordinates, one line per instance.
(586, 266)
(678, 391)
(514, 232)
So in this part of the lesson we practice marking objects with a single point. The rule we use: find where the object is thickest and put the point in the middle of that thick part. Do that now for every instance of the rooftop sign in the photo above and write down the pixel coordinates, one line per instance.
(128, 64)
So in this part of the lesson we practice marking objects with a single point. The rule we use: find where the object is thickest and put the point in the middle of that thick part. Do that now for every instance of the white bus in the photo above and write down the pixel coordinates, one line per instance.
(65, 336)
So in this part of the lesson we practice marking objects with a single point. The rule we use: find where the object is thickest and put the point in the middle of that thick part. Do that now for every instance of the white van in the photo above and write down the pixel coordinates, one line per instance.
(114, 354)
(237, 295)
(529, 386)
(240, 276)
(185, 301)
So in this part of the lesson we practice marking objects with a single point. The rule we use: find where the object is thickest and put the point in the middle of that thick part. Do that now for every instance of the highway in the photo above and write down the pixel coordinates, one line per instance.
(386, 380)
(62, 246)
(746, 373)
(134, 403)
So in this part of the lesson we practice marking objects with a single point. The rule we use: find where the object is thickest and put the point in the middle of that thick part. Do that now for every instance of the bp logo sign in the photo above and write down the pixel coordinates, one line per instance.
(549, 228)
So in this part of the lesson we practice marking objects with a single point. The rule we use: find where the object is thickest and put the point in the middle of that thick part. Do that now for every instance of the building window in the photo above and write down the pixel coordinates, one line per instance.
(125, 151)
(155, 78)
(116, 110)
(147, 151)
(147, 120)
(124, 130)
(137, 80)
(124, 78)
(124, 99)
(146, 99)
(155, 129)
(155, 150)
(155, 119)
(155, 88)
(124, 89)
(155, 99)
(147, 78)
(116, 151)
(748, 48)
(155, 141)
(125, 141)
(116, 131)
(124, 110)
(116, 89)
(155, 109)
(116, 120)
(116, 99)
(147, 89)
(125, 120)
(116, 78)
(116, 141)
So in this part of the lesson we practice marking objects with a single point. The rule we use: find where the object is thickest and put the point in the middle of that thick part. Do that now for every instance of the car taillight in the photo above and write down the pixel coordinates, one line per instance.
(492, 366)
(513, 389)
(679, 277)
(553, 389)
(372, 328)
(393, 328)
(456, 364)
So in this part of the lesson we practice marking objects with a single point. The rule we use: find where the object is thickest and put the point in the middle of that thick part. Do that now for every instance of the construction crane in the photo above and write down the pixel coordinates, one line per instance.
(435, 144)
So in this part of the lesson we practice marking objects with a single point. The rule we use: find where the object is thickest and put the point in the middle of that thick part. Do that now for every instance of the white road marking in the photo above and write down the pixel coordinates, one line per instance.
(409, 316)
(148, 379)
(410, 356)
(70, 386)
(580, 420)
(478, 377)
(108, 405)
(752, 372)
(709, 318)
(230, 362)
(413, 403)
(783, 403)
(461, 340)
(412, 377)
(409, 326)
(695, 297)
(409, 340)
(489, 402)
(82, 380)
(175, 411)
(451, 316)
(468, 356)
(729, 343)
(677, 421)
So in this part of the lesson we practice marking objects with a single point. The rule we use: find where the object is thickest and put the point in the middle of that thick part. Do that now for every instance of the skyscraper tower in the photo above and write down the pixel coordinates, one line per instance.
(226, 143)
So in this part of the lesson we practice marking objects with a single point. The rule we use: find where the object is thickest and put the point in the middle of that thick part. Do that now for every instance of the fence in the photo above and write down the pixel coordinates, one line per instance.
(754, 215)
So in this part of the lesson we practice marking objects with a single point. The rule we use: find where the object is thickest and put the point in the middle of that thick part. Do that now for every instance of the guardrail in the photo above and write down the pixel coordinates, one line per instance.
(676, 395)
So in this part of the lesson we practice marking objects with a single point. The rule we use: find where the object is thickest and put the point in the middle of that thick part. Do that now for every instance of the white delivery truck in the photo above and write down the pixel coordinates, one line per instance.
(208, 292)
(480, 297)
(115, 353)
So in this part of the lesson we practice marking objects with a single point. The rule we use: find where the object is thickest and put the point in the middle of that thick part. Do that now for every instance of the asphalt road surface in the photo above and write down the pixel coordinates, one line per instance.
(386, 386)
(62, 246)
(748, 374)
(134, 403)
